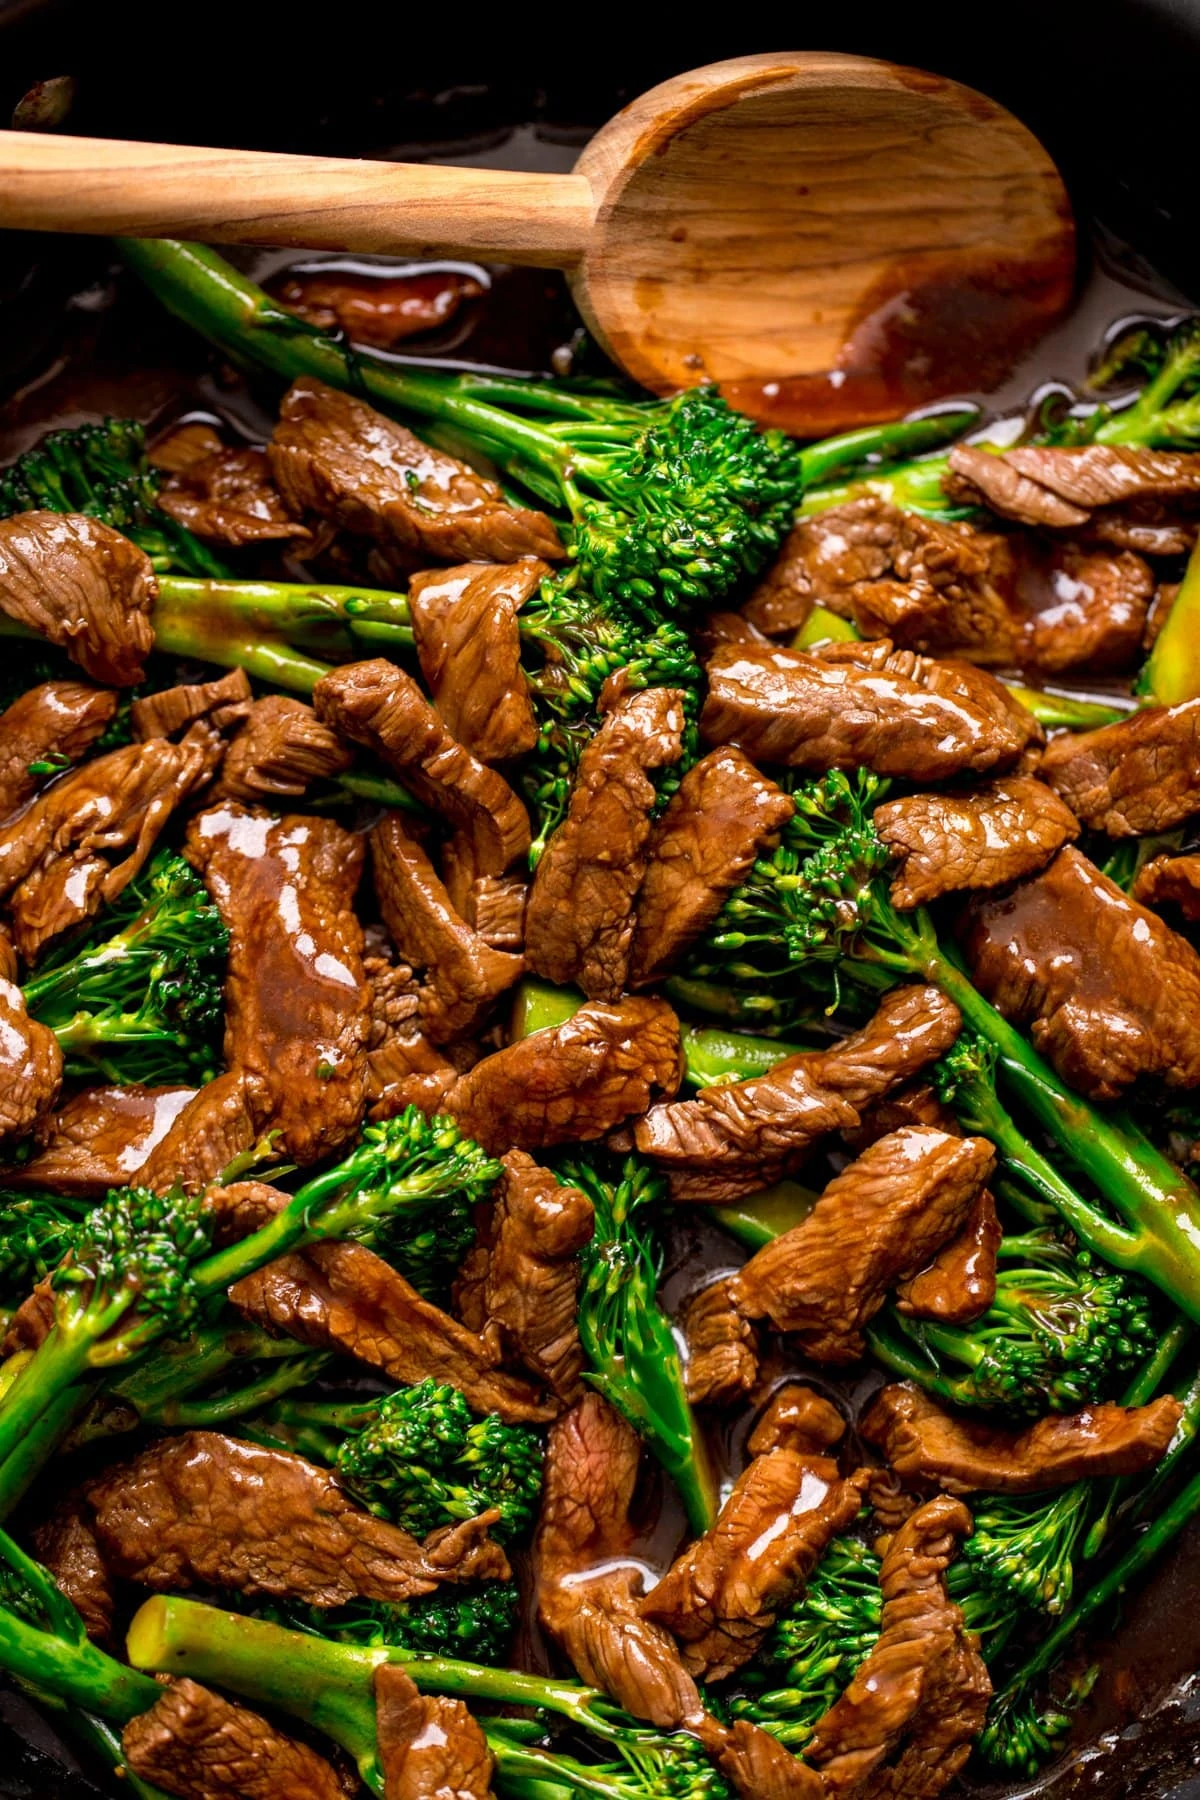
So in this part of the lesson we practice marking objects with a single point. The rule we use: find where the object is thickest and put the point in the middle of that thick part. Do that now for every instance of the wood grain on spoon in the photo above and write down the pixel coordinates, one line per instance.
(813, 231)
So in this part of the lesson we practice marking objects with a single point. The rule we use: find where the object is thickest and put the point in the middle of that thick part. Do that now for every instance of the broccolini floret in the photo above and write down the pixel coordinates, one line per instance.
(628, 1340)
(139, 1000)
(1059, 1333)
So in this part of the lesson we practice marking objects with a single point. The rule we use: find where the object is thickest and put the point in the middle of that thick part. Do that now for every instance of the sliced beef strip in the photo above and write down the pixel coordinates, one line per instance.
(924, 1443)
(916, 1103)
(81, 842)
(56, 723)
(972, 837)
(66, 1544)
(200, 1746)
(343, 1297)
(950, 592)
(464, 977)
(797, 1418)
(333, 455)
(573, 1082)
(82, 586)
(721, 1596)
(823, 556)
(592, 1458)
(201, 1509)
(722, 1347)
(878, 708)
(228, 497)
(282, 749)
(296, 1001)
(407, 1071)
(737, 1138)
(530, 1291)
(100, 1139)
(224, 701)
(210, 1130)
(579, 922)
(723, 816)
(375, 308)
(1065, 488)
(960, 1283)
(759, 1766)
(31, 1065)
(1084, 609)
(919, 1701)
(1170, 881)
(1108, 991)
(430, 1747)
(879, 1222)
(376, 704)
(1137, 776)
(469, 648)
(494, 906)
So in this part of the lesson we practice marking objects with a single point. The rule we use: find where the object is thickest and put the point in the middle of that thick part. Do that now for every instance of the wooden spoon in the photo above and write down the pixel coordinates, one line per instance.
(816, 232)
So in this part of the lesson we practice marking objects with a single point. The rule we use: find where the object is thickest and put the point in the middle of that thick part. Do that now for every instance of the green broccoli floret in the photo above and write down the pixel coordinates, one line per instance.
(420, 1457)
(1023, 1548)
(471, 1623)
(36, 1231)
(101, 470)
(815, 1646)
(1061, 1330)
(140, 1000)
(428, 1249)
(628, 1340)
(816, 916)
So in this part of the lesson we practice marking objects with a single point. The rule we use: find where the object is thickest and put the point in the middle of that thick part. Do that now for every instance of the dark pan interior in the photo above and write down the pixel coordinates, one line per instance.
(1108, 84)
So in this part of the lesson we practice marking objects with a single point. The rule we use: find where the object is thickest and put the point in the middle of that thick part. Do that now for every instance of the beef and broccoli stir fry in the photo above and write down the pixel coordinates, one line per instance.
(459, 848)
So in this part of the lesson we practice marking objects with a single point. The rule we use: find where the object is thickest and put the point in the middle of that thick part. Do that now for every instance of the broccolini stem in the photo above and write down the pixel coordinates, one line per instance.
(1172, 670)
(20, 1470)
(77, 1672)
(1138, 1556)
(1161, 1205)
(889, 442)
(1063, 712)
(211, 296)
(212, 1414)
(331, 1684)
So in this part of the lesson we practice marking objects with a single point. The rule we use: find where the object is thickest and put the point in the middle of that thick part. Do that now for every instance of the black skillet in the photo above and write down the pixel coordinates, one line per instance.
(1109, 85)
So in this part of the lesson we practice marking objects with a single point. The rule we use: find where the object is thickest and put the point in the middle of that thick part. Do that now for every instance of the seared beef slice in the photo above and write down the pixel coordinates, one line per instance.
(918, 1702)
(972, 838)
(296, 1000)
(430, 1747)
(469, 645)
(77, 583)
(60, 719)
(203, 1510)
(200, 1746)
(877, 1223)
(1139, 775)
(334, 455)
(464, 976)
(925, 1443)
(867, 706)
(736, 1138)
(723, 815)
(579, 921)
(1108, 991)
(720, 1598)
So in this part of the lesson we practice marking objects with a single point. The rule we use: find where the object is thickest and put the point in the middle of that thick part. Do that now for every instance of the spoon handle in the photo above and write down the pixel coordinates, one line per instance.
(102, 185)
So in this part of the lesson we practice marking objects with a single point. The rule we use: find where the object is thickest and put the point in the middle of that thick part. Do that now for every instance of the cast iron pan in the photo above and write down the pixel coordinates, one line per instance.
(1109, 85)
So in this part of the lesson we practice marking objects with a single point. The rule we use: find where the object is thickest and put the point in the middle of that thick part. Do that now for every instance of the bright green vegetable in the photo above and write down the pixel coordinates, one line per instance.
(139, 999)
